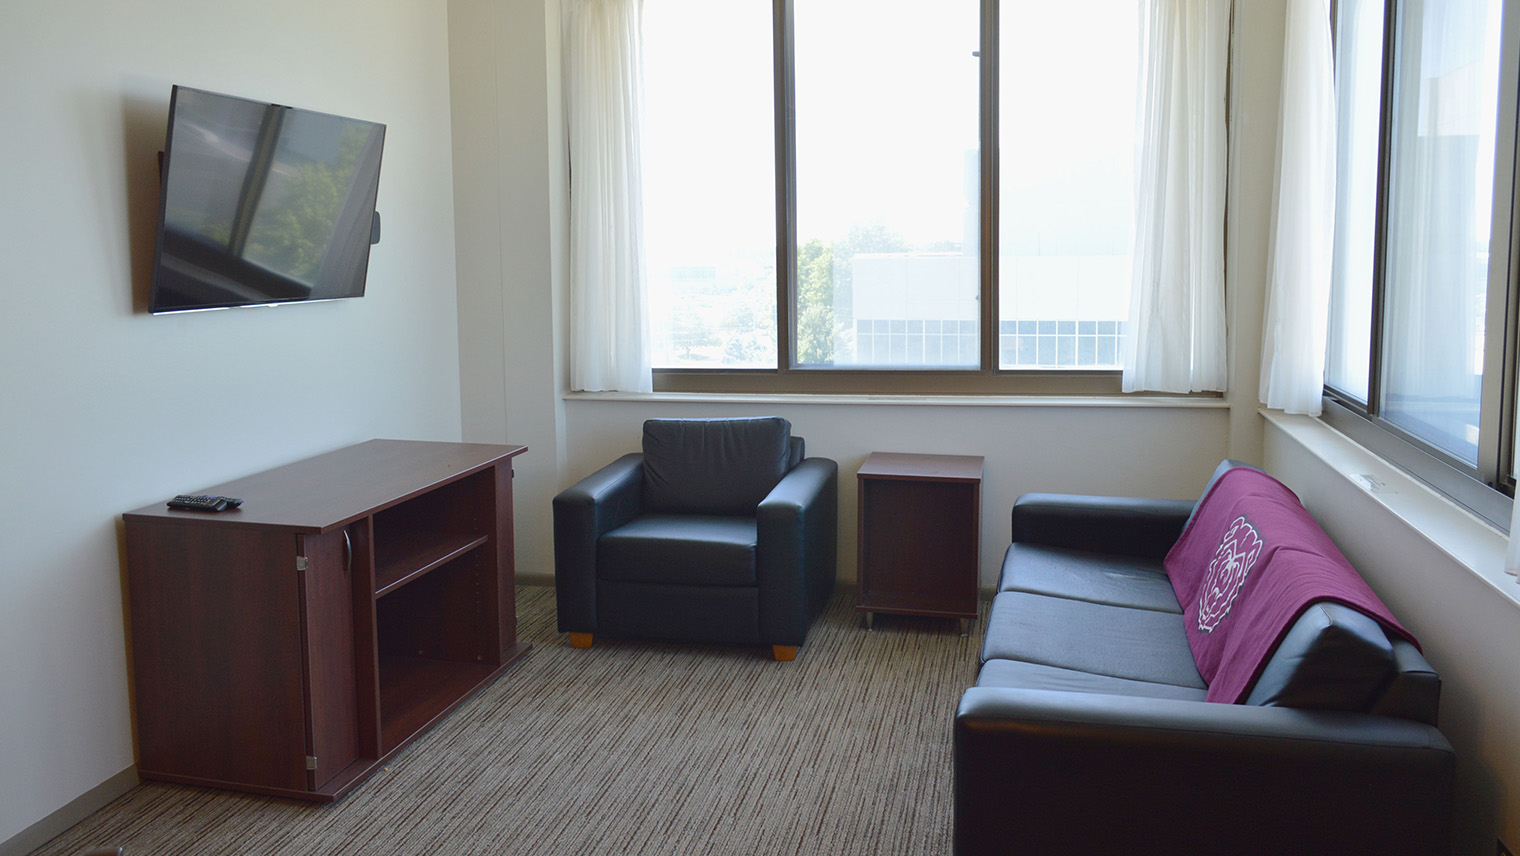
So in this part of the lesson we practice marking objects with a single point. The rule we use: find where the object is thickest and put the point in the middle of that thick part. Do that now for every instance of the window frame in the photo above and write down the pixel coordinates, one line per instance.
(985, 379)
(1486, 489)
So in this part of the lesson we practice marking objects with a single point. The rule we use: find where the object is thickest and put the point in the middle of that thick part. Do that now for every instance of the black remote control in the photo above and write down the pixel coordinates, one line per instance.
(203, 502)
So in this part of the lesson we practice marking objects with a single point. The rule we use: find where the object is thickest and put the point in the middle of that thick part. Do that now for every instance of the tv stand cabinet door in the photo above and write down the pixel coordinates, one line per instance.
(217, 654)
(327, 583)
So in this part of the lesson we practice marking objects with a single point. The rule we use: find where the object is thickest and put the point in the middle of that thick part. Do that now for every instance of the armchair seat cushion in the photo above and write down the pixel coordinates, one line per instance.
(680, 550)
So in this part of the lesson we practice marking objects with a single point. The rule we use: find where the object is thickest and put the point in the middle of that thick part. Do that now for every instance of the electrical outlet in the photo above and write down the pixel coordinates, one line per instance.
(1501, 849)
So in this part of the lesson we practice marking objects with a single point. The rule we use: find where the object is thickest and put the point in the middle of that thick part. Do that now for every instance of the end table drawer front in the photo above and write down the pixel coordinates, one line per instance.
(920, 535)
(918, 546)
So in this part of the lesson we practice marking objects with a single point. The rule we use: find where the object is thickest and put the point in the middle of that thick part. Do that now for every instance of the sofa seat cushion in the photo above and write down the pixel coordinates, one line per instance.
(680, 550)
(1033, 676)
(1118, 641)
(1106, 578)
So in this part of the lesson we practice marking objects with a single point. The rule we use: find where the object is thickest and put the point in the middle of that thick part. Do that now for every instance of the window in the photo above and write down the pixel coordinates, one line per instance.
(819, 180)
(1421, 290)
(709, 184)
(887, 184)
(1068, 171)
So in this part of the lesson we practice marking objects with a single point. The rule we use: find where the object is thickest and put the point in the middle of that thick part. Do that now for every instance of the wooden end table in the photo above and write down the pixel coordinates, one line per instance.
(920, 535)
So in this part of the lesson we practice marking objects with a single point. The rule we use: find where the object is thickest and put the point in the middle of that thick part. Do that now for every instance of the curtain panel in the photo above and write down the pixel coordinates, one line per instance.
(1175, 341)
(609, 314)
(1303, 224)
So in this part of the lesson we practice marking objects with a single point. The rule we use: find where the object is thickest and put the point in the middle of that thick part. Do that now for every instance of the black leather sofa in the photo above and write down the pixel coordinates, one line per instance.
(1087, 731)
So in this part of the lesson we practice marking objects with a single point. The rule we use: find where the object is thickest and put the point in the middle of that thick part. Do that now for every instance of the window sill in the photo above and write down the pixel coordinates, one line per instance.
(1142, 401)
(1463, 536)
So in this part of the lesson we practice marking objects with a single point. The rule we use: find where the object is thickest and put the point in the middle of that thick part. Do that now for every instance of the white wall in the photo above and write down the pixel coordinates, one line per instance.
(1256, 49)
(1468, 622)
(511, 207)
(104, 408)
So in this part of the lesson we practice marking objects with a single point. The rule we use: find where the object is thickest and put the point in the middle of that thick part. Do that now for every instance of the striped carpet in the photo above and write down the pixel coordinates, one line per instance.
(630, 748)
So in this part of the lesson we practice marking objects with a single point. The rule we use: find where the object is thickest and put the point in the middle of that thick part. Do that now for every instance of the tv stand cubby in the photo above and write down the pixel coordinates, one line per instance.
(291, 646)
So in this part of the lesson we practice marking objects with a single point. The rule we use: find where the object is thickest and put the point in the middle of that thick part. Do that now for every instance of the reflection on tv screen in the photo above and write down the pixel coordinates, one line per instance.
(263, 204)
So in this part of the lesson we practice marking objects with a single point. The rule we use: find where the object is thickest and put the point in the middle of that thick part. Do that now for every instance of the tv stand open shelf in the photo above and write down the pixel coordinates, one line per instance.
(402, 569)
(291, 646)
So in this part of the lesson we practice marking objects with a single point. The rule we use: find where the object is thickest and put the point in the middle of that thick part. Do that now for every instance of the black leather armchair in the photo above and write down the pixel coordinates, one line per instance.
(721, 530)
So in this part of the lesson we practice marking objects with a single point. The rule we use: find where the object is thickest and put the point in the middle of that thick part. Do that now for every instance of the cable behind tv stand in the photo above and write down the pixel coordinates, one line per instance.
(291, 646)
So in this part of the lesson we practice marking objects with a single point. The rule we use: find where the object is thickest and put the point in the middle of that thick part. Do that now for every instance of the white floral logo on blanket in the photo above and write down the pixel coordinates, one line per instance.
(1227, 573)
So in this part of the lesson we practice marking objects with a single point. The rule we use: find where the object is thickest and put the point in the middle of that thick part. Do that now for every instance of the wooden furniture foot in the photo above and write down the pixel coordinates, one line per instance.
(784, 653)
(580, 640)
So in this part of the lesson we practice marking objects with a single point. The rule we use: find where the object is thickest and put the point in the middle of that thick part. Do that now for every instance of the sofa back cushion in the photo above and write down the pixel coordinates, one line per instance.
(714, 466)
(1224, 466)
(1332, 658)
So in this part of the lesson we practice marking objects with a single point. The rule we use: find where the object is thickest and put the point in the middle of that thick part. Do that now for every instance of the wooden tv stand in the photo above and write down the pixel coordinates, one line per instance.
(290, 646)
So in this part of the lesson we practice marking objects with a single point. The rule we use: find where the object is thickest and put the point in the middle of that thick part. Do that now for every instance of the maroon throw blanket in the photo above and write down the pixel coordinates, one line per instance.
(1247, 565)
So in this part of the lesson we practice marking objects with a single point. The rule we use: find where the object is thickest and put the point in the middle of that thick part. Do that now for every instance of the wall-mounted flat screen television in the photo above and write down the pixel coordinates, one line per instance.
(262, 204)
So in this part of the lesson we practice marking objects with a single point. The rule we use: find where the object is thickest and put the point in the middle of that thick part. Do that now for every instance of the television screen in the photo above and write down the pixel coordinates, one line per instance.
(262, 204)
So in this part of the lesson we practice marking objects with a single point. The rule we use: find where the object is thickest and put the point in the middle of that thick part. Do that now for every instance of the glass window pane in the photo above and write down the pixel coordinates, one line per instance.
(709, 183)
(887, 183)
(1358, 88)
(1440, 206)
(1067, 154)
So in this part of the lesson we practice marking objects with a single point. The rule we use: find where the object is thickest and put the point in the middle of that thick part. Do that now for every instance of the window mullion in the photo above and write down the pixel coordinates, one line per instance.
(1380, 241)
(786, 185)
(1497, 420)
(987, 240)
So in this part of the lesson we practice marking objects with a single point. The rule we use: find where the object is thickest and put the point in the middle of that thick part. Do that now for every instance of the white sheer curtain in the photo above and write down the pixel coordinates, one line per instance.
(1303, 224)
(1175, 341)
(609, 315)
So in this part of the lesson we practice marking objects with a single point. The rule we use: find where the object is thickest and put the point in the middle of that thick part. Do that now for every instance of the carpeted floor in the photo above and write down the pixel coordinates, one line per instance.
(630, 748)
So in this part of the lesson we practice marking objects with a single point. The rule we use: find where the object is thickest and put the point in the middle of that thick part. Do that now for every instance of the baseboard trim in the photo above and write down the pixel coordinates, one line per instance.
(78, 809)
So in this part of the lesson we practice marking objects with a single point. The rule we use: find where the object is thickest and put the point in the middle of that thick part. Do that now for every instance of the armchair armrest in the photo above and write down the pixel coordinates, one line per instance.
(797, 545)
(584, 512)
(1146, 528)
(1065, 772)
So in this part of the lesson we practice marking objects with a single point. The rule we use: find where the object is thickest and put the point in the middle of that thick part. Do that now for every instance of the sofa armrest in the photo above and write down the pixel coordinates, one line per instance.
(584, 512)
(1146, 528)
(1066, 772)
(797, 546)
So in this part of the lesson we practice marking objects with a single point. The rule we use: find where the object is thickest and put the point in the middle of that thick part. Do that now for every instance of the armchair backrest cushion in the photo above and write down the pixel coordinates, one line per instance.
(713, 466)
